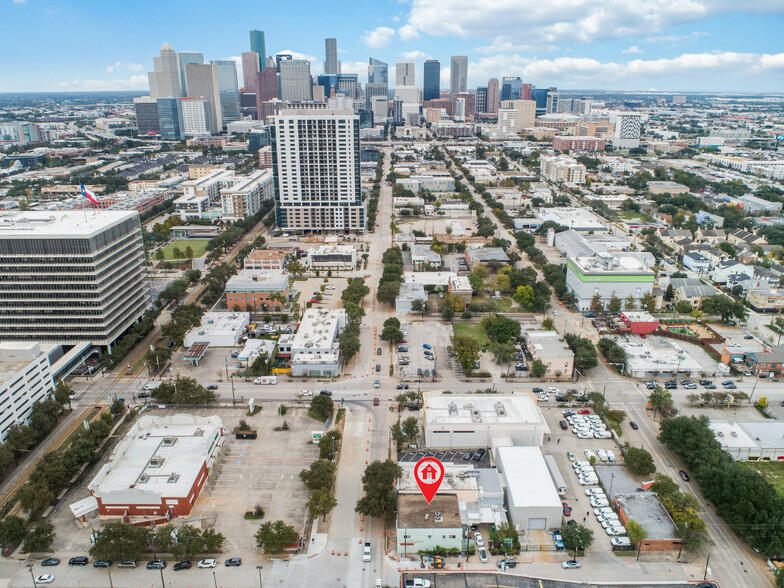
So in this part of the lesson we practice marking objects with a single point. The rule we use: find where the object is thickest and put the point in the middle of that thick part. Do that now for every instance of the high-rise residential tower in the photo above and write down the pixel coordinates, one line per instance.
(203, 83)
(432, 82)
(481, 99)
(331, 64)
(227, 90)
(405, 73)
(295, 82)
(250, 69)
(493, 99)
(165, 77)
(258, 45)
(458, 74)
(146, 108)
(188, 58)
(70, 276)
(170, 118)
(316, 170)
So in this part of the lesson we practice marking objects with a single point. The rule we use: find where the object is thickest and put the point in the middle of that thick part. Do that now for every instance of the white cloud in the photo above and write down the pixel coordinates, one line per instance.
(632, 49)
(574, 20)
(358, 67)
(673, 38)
(414, 55)
(408, 32)
(120, 66)
(378, 37)
(133, 83)
(501, 46)
(689, 71)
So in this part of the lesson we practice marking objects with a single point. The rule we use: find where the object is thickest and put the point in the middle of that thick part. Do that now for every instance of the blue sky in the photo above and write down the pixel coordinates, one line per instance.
(667, 45)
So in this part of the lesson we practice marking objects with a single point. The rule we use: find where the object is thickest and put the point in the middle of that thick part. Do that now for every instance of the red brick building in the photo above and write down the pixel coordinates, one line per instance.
(639, 322)
(562, 143)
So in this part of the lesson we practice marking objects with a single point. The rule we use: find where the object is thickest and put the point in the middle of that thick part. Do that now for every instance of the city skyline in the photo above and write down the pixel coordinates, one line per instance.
(705, 46)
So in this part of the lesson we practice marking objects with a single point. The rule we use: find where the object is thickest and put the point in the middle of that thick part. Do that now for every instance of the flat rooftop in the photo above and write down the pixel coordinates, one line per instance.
(413, 512)
(254, 280)
(639, 316)
(612, 263)
(161, 455)
(457, 477)
(768, 434)
(318, 329)
(657, 354)
(549, 344)
(65, 224)
(428, 278)
(645, 508)
(580, 219)
(213, 323)
(515, 408)
(528, 479)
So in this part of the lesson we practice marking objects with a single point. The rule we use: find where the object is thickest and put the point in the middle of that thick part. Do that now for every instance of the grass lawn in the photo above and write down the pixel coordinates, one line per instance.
(199, 246)
(505, 303)
(629, 215)
(772, 471)
(474, 329)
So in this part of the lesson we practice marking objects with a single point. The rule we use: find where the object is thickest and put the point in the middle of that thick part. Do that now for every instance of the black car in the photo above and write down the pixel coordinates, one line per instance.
(325, 393)
(749, 337)
(684, 476)
(414, 407)
(537, 390)
(78, 561)
(143, 395)
(378, 351)
(650, 386)
(479, 455)
(633, 425)
(234, 562)
(212, 387)
(156, 564)
(50, 561)
(671, 385)
(564, 425)
(102, 563)
(704, 382)
(182, 565)
(378, 367)
(402, 386)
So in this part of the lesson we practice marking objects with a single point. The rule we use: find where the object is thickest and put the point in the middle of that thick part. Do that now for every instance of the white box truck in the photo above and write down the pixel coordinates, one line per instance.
(266, 380)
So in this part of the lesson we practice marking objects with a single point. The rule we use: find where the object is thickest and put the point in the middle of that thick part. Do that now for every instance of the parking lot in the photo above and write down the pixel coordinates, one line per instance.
(264, 471)
(417, 334)
(310, 287)
(462, 580)
(447, 457)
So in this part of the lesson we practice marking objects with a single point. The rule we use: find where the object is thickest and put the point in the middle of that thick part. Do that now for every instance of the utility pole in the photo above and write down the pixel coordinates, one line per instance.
(233, 399)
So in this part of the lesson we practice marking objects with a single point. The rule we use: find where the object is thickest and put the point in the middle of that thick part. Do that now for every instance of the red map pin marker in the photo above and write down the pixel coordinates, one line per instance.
(429, 473)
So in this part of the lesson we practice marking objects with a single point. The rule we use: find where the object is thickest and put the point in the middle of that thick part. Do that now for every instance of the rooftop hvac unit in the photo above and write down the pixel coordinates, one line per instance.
(156, 462)
(198, 433)
(210, 321)
(144, 478)
(173, 478)
(720, 434)
(452, 409)
(499, 408)
(427, 516)
(735, 434)
(439, 518)
(169, 441)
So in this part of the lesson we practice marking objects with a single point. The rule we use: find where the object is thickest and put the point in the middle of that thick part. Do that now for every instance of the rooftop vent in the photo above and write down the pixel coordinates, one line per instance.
(735, 434)
(169, 441)
(427, 516)
(156, 461)
(499, 408)
(144, 478)
(439, 518)
(198, 433)
(173, 478)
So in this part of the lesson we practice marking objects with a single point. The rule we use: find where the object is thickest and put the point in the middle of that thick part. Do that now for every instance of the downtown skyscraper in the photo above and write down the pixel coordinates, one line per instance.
(331, 63)
(432, 84)
(165, 77)
(458, 74)
(378, 81)
(258, 45)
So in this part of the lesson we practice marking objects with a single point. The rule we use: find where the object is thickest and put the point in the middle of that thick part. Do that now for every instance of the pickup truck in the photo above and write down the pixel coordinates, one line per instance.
(417, 583)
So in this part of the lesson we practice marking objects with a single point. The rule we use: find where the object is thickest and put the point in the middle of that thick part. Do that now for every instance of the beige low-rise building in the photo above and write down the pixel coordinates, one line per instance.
(551, 349)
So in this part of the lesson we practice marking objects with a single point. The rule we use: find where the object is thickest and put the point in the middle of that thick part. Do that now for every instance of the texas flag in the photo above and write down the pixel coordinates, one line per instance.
(87, 194)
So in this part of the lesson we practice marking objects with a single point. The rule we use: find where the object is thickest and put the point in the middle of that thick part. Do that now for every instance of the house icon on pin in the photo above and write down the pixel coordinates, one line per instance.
(429, 473)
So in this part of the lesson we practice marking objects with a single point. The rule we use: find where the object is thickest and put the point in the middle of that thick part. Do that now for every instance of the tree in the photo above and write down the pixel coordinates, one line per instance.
(295, 268)
(392, 334)
(576, 538)
(327, 442)
(12, 530)
(189, 542)
(538, 368)
(321, 503)
(452, 301)
(183, 391)
(40, 538)
(419, 305)
(524, 296)
(159, 255)
(388, 292)
(660, 401)
(398, 436)
(501, 329)
(630, 303)
(119, 540)
(596, 303)
(467, 350)
(639, 461)
(584, 352)
(411, 428)
(669, 294)
(683, 307)
(321, 474)
(614, 305)
(34, 497)
(502, 352)
(274, 536)
(380, 498)
(637, 534)
(548, 324)
(725, 307)
(62, 392)
(322, 407)
(189, 252)
(349, 344)
(355, 291)
(648, 302)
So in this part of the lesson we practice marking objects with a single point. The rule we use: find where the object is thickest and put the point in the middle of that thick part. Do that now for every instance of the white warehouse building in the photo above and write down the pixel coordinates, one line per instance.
(314, 348)
(458, 421)
(25, 378)
(532, 501)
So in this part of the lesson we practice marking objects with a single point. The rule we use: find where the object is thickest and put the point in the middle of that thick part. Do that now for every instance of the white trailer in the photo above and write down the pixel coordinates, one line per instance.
(555, 474)
(269, 380)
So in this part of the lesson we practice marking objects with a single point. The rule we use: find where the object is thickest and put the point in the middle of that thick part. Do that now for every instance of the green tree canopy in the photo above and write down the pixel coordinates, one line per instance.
(274, 536)
(118, 540)
(380, 498)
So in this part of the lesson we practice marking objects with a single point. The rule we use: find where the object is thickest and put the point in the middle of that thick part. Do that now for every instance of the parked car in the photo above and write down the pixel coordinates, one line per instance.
(478, 539)
(128, 563)
(44, 579)
(417, 583)
(684, 476)
(620, 530)
(564, 425)
(567, 510)
(50, 561)
(506, 563)
(570, 455)
(483, 555)
(233, 562)
(182, 565)
(570, 564)
(79, 560)
(479, 455)
(156, 564)
(427, 346)
(207, 563)
(749, 337)
(583, 411)
(634, 425)
(102, 563)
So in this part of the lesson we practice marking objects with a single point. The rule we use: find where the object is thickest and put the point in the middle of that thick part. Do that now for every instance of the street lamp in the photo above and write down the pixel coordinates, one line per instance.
(108, 571)
(233, 399)
(260, 568)
(252, 502)
(30, 567)
(612, 479)
(214, 580)
(163, 584)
